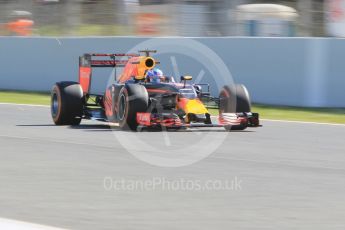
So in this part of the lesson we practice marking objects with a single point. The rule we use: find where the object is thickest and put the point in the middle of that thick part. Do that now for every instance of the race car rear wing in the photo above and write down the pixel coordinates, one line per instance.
(91, 60)
(87, 61)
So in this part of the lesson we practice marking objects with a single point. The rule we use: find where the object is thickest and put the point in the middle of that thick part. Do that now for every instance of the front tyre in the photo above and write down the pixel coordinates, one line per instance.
(133, 99)
(234, 100)
(67, 103)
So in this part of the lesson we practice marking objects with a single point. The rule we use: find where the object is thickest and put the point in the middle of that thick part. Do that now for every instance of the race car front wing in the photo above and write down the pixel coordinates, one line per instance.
(171, 120)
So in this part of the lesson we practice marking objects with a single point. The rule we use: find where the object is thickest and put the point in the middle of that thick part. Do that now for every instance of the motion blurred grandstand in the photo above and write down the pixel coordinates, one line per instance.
(158, 17)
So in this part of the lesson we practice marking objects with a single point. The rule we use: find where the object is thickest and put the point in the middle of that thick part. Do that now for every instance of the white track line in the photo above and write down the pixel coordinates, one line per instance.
(304, 122)
(271, 120)
(20, 225)
(31, 105)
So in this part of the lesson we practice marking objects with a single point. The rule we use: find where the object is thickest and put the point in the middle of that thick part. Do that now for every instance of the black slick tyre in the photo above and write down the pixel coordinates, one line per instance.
(234, 99)
(67, 103)
(132, 99)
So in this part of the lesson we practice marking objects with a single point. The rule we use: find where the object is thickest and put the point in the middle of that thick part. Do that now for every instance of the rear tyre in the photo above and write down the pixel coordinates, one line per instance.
(67, 103)
(234, 100)
(133, 99)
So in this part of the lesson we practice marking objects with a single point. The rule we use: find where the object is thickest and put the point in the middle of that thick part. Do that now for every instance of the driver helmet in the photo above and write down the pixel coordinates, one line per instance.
(154, 75)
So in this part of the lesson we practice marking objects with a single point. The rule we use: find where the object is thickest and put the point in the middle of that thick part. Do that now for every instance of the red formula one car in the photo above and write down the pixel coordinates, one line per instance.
(142, 97)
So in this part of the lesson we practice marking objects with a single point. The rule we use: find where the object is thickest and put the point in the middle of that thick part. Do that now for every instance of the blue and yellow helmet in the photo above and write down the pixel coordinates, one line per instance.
(154, 75)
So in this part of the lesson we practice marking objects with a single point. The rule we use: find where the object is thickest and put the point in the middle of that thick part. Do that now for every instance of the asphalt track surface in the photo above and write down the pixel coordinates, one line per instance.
(292, 176)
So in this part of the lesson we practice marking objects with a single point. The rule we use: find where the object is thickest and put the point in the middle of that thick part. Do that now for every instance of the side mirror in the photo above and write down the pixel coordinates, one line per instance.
(186, 78)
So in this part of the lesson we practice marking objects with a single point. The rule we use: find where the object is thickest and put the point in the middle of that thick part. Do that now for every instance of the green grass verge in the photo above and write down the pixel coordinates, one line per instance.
(323, 115)
(327, 115)
(24, 97)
